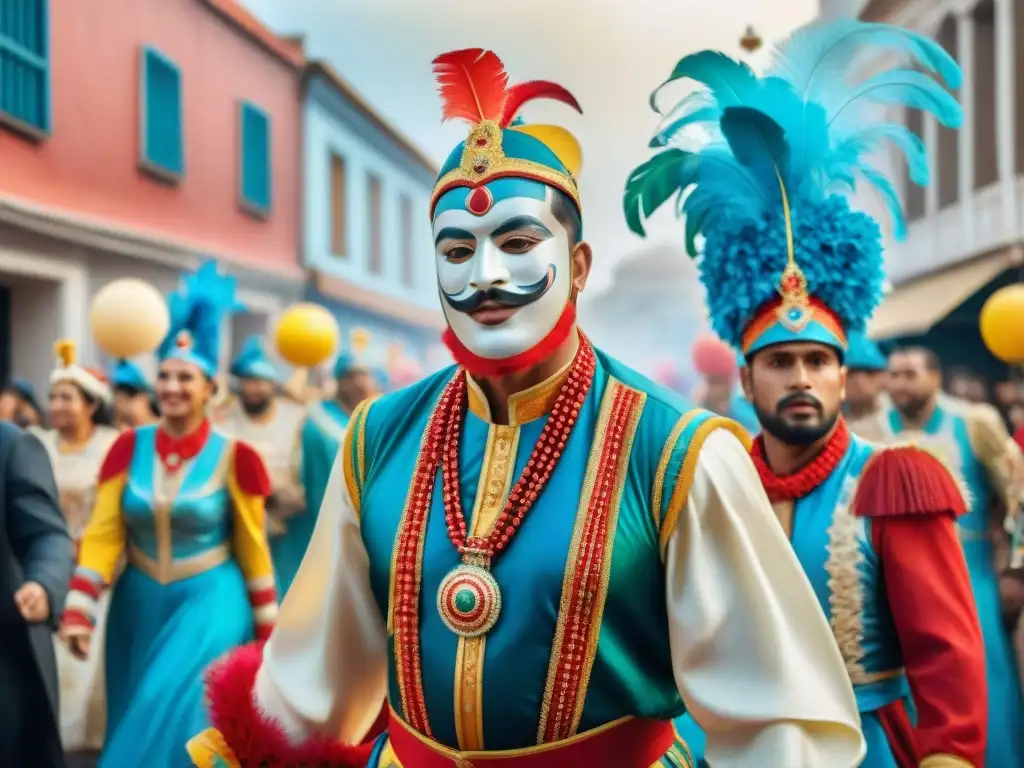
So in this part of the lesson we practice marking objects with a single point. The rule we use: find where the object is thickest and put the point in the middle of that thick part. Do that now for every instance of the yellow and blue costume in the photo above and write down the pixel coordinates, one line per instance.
(187, 514)
(786, 260)
(635, 586)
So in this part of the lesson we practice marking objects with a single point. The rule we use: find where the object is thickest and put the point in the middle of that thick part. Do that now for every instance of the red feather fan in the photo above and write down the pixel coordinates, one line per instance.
(473, 85)
(535, 89)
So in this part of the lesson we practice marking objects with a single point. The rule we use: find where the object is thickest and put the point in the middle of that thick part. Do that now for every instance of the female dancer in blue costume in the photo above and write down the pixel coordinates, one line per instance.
(184, 506)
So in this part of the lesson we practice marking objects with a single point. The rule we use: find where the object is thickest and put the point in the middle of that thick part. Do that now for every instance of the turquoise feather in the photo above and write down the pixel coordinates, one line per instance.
(725, 77)
(815, 120)
(817, 57)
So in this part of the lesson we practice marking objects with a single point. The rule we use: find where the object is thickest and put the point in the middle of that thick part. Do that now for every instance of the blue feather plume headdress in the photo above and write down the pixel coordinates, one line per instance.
(784, 257)
(197, 310)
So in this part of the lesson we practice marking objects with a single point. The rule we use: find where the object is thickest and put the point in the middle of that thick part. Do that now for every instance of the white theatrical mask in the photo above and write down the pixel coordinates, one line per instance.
(518, 254)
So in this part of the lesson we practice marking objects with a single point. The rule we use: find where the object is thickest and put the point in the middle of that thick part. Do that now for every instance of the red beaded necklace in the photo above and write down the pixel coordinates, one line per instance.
(807, 478)
(469, 599)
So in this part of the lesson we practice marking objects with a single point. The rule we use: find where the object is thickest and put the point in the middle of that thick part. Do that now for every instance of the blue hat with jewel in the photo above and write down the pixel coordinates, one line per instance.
(252, 362)
(197, 309)
(762, 167)
(128, 375)
(863, 354)
(502, 157)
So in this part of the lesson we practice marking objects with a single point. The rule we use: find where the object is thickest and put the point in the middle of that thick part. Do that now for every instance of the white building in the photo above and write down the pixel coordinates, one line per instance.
(366, 239)
(966, 227)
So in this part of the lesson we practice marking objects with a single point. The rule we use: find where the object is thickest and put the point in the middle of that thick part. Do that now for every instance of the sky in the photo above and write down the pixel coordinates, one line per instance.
(609, 53)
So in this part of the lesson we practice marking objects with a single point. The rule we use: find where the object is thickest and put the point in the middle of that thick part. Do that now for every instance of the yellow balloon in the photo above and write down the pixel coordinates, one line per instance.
(129, 317)
(307, 335)
(1002, 324)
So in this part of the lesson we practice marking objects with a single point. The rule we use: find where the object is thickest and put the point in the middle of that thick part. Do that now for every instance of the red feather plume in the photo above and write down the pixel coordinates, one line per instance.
(473, 84)
(535, 89)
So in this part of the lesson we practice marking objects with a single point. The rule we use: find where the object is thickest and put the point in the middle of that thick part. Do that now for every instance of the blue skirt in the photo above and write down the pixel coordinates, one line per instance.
(1005, 705)
(160, 640)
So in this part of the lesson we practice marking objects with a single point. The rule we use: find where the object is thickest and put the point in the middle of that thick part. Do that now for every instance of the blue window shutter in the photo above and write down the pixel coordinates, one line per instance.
(161, 130)
(254, 159)
(25, 64)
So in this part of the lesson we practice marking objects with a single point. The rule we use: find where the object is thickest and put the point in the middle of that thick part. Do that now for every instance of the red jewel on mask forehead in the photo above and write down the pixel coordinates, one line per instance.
(479, 201)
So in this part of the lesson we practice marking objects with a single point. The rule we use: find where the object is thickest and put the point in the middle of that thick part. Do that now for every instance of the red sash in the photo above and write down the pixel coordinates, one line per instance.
(632, 743)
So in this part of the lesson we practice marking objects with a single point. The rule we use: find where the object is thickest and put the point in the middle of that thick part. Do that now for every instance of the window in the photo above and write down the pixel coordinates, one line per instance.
(24, 65)
(407, 265)
(162, 142)
(376, 224)
(339, 200)
(254, 159)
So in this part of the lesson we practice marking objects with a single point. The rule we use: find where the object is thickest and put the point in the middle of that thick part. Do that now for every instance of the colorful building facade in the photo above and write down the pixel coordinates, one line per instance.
(366, 233)
(965, 237)
(136, 139)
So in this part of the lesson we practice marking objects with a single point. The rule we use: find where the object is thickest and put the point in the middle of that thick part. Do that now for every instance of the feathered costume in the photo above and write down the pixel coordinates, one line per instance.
(187, 514)
(502, 158)
(786, 259)
(528, 598)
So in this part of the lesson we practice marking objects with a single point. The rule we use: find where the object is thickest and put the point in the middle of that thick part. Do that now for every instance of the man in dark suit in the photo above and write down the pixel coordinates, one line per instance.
(36, 564)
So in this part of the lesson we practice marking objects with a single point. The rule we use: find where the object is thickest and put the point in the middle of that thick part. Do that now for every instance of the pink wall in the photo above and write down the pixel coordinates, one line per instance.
(89, 164)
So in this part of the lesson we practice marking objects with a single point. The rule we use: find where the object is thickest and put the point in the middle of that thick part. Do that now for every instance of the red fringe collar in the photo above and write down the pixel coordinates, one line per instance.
(485, 366)
(803, 481)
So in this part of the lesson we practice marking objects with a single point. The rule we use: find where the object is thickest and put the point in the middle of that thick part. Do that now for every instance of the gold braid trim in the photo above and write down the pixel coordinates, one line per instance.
(484, 160)
(846, 589)
(352, 463)
(688, 470)
(945, 761)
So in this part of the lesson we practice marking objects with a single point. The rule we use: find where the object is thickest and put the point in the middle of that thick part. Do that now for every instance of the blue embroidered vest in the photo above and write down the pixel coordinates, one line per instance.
(837, 554)
(506, 690)
(177, 525)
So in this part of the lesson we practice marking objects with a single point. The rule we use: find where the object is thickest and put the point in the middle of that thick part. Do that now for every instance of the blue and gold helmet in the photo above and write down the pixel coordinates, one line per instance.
(785, 257)
(502, 156)
(252, 362)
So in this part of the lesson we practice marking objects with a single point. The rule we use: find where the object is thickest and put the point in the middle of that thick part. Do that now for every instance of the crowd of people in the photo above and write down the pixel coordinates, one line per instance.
(538, 556)
(194, 505)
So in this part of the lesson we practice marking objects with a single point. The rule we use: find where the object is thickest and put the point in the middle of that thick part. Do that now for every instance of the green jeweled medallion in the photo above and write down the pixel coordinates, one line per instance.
(469, 601)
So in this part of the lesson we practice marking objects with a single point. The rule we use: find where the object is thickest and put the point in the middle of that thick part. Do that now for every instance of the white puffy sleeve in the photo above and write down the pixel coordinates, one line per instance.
(324, 668)
(753, 655)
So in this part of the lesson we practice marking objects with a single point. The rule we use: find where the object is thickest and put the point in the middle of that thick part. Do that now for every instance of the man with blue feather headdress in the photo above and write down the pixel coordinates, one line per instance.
(791, 271)
(538, 556)
(260, 416)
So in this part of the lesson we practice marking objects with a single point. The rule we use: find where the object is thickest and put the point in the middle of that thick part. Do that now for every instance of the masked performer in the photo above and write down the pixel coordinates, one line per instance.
(77, 443)
(790, 270)
(503, 629)
(272, 425)
(184, 504)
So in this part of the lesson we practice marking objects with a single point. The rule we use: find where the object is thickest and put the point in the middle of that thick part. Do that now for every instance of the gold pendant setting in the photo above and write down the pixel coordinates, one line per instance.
(469, 600)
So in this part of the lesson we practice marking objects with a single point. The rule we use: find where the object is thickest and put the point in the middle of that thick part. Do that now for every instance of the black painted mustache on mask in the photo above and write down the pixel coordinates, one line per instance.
(798, 398)
(469, 300)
